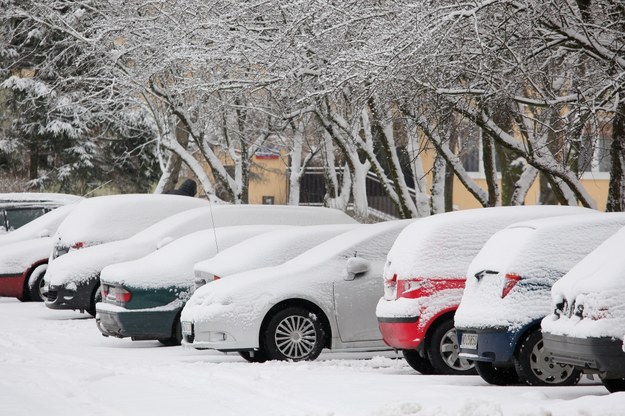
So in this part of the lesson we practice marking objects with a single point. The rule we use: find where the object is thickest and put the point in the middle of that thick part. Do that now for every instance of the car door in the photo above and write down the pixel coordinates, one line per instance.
(355, 301)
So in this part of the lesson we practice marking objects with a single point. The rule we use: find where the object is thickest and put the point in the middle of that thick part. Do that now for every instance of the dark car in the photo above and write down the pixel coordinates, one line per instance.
(508, 294)
(587, 325)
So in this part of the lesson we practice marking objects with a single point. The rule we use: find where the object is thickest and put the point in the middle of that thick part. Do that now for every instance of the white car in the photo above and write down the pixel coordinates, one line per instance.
(24, 255)
(74, 279)
(266, 250)
(325, 297)
(587, 324)
(508, 293)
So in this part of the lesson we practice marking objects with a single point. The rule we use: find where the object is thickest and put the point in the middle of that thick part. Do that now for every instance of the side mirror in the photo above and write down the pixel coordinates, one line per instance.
(44, 233)
(355, 267)
(162, 243)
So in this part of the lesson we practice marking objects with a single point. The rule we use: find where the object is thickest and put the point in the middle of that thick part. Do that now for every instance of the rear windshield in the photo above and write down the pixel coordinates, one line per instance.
(16, 217)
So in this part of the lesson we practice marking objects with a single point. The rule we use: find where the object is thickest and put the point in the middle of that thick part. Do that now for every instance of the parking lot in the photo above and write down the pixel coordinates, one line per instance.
(57, 363)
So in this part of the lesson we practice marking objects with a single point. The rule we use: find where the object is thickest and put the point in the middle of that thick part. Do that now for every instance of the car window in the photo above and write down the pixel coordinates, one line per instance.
(16, 217)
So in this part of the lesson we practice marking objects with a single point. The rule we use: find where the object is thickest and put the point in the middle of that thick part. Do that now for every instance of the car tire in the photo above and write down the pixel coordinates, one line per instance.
(442, 350)
(96, 296)
(176, 334)
(498, 376)
(35, 284)
(536, 368)
(614, 384)
(293, 334)
(417, 362)
(257, 357)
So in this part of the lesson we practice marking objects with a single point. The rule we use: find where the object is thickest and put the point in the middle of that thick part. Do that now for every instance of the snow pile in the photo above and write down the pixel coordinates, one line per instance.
(269, 249)
(43, 226)
(173, 264)
(596, 284)
(540, 252)
(115, 217)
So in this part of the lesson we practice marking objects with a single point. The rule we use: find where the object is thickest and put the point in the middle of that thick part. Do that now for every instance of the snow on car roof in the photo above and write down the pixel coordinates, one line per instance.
(45, 224)
(115, 217)
(443, 245)
(602, 269)
(364, 233)
(547, 247)
(227, 215)
(27, 197)
(173, 264)
(270, 249)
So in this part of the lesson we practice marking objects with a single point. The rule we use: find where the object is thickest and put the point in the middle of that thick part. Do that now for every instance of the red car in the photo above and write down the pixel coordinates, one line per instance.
(424, 280)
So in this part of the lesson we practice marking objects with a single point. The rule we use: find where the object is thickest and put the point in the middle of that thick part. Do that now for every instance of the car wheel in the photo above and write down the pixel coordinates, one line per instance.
(96, 297)
(36, 284)
(176, 331)
(499, 376)
(257, 357)
(536, 368)
(614, 384)
(443, 349)
(417, 362)
(294, 334)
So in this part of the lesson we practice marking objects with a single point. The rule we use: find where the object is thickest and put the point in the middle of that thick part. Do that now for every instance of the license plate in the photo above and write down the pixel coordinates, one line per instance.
(469, 341)
(187, 328)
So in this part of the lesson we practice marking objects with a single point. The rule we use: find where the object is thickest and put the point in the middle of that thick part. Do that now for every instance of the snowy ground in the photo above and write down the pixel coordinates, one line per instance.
(57, 363)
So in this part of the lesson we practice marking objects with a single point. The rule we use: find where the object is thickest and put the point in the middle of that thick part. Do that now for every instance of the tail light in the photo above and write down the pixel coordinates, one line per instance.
(409, 288)
(78, 245)
(390, 288)
(116, 294)
(510, 281)
(216, 277)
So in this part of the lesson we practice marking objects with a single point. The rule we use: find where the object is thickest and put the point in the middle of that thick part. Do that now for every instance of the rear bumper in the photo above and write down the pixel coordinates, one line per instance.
(401, 333)
(493, 345)
(138, 325)
(12, 285)
(602, 355)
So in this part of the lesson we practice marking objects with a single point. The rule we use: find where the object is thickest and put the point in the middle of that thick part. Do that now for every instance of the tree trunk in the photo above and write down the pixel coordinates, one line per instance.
(616, 189)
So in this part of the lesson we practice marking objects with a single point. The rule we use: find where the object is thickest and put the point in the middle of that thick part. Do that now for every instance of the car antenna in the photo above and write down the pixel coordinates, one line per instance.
(95, 189)
(210, 208)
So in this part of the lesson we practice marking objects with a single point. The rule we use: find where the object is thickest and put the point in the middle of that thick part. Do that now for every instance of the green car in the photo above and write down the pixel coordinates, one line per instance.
(142, 299)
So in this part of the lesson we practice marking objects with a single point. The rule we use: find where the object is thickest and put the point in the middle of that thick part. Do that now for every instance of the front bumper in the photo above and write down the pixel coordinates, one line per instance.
(600, 355)
(493, 345)
(77, 297)
(143, 324)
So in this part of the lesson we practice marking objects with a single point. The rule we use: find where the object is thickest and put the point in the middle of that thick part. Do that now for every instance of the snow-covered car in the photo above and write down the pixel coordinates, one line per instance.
(74, 279)
(424, 278)
(100, 220)
(508, 293)
(267, 250)
(142, 299)
(18, 209)
(24, 255)
(587, 324)
(324, 297)
(116, 217)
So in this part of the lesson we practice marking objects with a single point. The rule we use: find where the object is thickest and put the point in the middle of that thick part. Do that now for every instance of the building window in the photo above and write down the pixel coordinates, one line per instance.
(268, 199)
